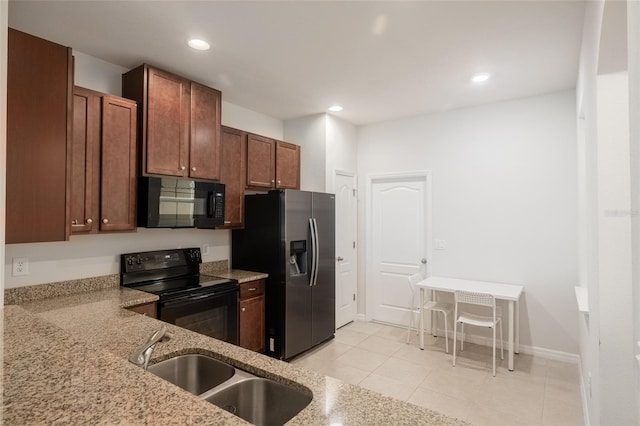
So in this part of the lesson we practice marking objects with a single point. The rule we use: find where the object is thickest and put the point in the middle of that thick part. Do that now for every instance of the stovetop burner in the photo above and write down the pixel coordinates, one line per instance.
(169, 273)
(177, 286)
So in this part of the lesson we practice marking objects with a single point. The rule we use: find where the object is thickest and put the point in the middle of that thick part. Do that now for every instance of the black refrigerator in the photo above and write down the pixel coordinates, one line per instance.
(290, 235)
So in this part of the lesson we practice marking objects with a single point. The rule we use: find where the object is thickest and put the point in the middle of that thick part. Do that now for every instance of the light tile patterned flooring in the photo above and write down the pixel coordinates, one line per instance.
(377, 357)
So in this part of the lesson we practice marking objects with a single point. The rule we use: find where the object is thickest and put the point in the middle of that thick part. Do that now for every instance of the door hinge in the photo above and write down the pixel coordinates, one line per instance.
(354, 297)
(354, 192)
(354, 244)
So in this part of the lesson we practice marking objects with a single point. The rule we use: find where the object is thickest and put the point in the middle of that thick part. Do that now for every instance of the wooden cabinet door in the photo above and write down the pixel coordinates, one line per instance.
(232, 174)
(287, 165)
(39, 102)
(261, 158)
(118, 159)
(168, 110)
(85, 160)
(204, 145)
(252, 324)
(149, 309)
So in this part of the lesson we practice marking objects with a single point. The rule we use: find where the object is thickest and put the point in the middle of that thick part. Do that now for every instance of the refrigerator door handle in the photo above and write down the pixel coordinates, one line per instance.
(313, 252)
(316, 252)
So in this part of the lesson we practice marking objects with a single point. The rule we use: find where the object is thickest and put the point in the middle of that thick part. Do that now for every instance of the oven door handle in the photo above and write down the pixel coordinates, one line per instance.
(187, 299)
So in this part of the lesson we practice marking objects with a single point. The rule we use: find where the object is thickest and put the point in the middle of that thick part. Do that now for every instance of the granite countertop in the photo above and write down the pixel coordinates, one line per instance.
(65, 361)
(241, 276)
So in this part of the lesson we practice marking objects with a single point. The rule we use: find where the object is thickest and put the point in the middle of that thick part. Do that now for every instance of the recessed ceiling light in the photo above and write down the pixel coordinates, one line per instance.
(198, 44)
(480, 78)
(335, 108)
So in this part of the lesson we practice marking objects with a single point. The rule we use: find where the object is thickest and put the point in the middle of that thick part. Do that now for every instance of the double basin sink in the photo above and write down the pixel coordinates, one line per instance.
(257, 400)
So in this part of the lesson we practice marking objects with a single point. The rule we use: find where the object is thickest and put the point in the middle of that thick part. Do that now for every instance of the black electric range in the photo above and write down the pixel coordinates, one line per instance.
(203, 303)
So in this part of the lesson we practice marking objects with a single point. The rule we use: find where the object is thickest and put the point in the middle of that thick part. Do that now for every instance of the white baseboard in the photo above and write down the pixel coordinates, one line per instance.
(583, 395)
(525, 349)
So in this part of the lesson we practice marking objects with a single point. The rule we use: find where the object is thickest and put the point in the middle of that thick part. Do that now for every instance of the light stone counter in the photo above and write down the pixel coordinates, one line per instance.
(241, 276)
(65, 361)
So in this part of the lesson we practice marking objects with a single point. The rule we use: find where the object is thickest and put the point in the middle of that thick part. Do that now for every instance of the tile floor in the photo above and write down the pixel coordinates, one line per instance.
(376, 357)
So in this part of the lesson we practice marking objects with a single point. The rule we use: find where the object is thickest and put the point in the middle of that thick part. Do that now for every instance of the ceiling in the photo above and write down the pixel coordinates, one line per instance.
(379, 60)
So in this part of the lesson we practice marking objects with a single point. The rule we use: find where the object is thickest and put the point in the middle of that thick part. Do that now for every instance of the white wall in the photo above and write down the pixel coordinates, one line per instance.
(504, 200)
(342, 149)
(633, 25)
(608, 206)
(93, 255)
(328, 143)
(310, 133)
(589, 331)
(96, 74)
(617, 370)
(251, 121)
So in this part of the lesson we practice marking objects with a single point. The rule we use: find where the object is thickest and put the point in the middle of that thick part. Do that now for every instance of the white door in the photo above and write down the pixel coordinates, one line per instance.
(346, 281)
(398, 231)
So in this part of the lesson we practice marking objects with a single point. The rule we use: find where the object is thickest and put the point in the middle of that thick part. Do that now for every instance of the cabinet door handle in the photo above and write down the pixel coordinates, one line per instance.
(74, 222)
(272, 181)
(89, 221)
(278, 182)
(182, 167)
(193, 169)
(243, 309)
(105, 220)
(252, 288)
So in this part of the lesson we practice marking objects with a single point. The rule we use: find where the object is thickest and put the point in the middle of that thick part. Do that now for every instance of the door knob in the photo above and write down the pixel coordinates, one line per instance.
(105, 220)
(89, 221)
(340, 259)
(423, 261)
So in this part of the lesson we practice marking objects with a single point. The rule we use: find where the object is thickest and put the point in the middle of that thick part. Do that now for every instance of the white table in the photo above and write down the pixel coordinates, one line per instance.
(509, 292)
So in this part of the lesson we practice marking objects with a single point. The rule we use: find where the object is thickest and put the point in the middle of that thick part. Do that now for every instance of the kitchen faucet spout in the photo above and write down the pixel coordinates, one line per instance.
(142, 355)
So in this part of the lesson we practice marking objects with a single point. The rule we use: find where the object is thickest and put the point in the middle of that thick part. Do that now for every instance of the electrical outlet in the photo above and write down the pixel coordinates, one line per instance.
(20, 266)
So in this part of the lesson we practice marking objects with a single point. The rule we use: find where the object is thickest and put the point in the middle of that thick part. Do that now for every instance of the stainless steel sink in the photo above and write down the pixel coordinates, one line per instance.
(193, 372)
(257, 400)
(261, 401)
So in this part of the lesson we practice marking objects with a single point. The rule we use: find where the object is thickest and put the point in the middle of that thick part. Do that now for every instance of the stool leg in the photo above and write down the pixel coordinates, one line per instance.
(446, 333)
(455, 340)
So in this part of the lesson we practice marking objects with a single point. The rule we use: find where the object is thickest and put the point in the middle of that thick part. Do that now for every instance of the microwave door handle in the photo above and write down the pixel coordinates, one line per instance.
(211, 204)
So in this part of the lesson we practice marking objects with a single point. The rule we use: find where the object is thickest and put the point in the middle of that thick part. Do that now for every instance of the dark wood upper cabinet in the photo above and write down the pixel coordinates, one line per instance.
(167, 124)
(272, 164)
(205, 133)
(261, 165)
(39, 117)
(178, 124)
(232, 173)
(103, 163)
(287, 165)
(118, 165)
(85, 161)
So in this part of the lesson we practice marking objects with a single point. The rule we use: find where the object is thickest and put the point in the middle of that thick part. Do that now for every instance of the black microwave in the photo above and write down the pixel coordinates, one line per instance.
(165, 202)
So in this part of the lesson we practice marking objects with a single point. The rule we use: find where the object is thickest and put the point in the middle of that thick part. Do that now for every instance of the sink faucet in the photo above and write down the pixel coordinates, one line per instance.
(142, 355)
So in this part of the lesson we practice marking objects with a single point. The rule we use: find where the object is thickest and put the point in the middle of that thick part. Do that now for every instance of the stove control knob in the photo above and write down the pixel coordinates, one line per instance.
(130, 261)
(139, 261)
